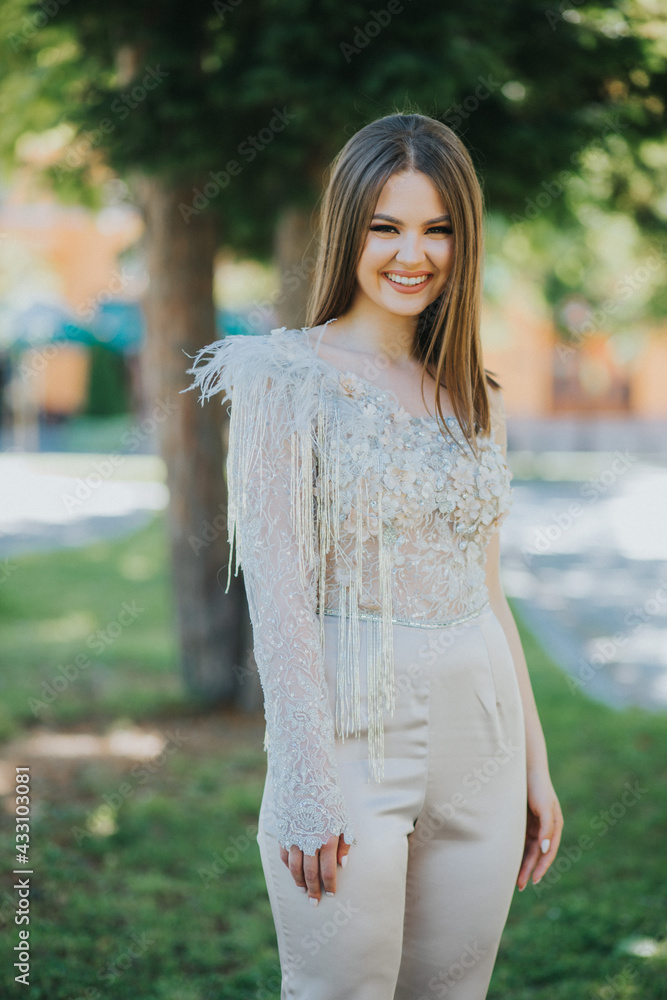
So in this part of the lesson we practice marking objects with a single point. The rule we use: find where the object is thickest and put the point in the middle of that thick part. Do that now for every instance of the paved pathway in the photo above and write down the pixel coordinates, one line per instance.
(51, 501)
(584, 553)
(586, 563)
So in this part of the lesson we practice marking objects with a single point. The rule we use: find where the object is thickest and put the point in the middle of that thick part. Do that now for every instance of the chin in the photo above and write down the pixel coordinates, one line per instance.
(408, 307)
(407, 310)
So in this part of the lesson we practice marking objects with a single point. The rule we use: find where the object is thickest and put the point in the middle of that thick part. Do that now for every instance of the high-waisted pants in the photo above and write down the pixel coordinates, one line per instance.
(419, 909)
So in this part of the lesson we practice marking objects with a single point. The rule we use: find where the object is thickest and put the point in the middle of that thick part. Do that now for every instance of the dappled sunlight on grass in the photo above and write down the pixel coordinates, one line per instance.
(76, 625)
(119, 743)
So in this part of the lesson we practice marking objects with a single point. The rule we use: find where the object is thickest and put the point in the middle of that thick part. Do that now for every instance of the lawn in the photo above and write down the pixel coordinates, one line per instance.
(147, 881)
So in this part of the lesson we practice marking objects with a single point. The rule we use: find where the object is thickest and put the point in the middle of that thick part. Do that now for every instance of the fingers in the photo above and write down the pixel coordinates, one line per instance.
(343, 851)
(328, 865)
(541, 847)
(305, 870)
(295, 865)
(530, 855)
(311, 871)
(549, 839)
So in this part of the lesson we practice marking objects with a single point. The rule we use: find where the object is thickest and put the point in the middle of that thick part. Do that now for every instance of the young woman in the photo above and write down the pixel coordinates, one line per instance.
(367, 479)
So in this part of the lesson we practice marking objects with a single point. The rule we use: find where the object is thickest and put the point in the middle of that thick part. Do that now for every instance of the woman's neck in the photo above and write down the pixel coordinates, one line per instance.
(375, 332)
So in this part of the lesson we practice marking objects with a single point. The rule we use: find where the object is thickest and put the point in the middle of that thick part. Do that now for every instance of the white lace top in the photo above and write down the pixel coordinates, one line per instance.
(342, 503)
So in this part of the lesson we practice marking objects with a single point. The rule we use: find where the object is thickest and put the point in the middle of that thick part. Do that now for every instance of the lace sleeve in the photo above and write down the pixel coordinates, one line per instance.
(270, 483)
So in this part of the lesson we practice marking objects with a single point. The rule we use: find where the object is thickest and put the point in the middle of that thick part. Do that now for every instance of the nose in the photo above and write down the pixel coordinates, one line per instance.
(410, 253)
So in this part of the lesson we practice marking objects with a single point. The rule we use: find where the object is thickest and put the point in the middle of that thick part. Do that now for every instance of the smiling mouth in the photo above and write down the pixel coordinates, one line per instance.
(399, 279)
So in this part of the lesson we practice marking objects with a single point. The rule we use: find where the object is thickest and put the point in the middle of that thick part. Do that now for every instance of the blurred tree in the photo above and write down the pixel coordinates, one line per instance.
(222, 117)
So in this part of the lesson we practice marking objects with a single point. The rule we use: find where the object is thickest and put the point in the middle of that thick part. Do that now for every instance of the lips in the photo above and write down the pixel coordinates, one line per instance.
(407, 282)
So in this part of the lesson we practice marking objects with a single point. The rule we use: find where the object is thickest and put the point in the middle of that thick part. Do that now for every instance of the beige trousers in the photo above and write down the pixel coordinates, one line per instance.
(420, 908)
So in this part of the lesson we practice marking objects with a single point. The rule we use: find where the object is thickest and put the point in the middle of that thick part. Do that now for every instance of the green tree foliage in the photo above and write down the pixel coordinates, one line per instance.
(276, 87)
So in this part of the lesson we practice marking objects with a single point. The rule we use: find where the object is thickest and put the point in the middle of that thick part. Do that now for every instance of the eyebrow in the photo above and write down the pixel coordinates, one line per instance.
(431, 222)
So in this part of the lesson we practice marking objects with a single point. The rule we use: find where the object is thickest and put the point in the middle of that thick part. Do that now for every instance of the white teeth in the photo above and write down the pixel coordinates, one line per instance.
(399, 279)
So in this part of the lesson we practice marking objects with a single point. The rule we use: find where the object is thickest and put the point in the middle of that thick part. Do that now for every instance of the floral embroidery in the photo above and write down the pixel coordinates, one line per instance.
(340, 501)
(439, 504)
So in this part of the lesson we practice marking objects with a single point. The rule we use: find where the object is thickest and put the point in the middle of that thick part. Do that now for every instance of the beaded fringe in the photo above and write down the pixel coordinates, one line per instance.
(303, 395)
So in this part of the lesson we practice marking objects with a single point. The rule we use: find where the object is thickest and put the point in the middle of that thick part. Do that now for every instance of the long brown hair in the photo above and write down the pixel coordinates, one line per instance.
(447, 338)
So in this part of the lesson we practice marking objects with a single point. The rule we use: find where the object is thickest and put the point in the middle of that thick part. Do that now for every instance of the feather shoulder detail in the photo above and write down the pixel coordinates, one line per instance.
(279, 391)
(289, 374)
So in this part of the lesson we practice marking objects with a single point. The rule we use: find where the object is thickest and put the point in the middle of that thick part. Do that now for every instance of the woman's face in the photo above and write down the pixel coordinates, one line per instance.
(409, 248)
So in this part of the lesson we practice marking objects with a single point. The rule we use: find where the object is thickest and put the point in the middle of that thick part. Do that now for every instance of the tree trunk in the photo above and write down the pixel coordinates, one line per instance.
(214, 627)
(294, 251)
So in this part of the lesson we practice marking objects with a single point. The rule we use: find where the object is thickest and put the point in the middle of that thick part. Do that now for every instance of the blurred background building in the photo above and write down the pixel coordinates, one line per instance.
(72, 330)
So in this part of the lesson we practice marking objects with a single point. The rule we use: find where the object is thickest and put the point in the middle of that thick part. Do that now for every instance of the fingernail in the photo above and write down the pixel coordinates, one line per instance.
(521, 888)
(303, 888)
(313, 900)
(329, 893)
(545, 845)
(343, 861)
(537, 880)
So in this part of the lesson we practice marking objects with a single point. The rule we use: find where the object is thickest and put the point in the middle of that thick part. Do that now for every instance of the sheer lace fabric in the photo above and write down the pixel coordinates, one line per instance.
(340, 502)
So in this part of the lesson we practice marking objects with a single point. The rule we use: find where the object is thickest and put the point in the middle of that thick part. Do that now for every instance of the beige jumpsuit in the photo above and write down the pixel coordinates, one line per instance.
(348, 511)
(420, 907)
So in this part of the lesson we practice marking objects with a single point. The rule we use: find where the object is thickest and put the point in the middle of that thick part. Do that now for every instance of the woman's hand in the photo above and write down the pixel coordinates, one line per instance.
(545, 823)
(308, 869)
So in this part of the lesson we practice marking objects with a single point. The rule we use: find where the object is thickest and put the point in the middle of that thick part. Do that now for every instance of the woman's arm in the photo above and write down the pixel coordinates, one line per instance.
(270, 494)
(311, 815)
(544, 816)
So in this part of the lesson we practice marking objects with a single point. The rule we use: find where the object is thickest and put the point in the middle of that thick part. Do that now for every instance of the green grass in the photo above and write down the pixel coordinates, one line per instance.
(88, 633)
(137, 868)
(571, 936)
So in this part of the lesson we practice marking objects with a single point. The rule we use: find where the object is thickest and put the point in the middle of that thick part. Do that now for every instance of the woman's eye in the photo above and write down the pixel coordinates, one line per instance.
(392, 229)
